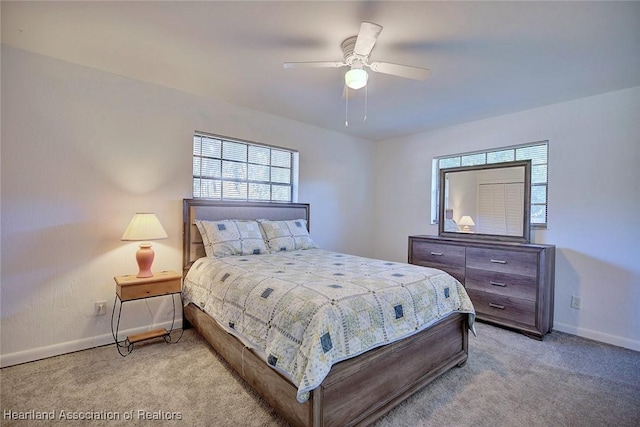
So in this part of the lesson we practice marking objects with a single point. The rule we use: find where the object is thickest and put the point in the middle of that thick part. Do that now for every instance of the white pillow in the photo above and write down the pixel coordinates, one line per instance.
(231, 237)
(291, 235)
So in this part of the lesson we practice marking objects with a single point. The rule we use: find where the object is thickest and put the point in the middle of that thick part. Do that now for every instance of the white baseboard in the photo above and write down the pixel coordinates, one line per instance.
(76, 345)
(597, 336)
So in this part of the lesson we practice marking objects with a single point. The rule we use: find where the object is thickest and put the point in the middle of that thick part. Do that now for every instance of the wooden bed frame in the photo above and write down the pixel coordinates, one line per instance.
(357, 391)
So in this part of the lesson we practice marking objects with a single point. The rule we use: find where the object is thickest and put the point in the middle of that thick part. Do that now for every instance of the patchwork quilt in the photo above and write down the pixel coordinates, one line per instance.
(309, 309)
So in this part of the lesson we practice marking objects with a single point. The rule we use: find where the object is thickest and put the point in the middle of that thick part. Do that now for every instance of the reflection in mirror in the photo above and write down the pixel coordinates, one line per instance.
(487, 201)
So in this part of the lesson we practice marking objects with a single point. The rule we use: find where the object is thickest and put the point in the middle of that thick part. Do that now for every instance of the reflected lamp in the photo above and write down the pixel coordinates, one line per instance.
(466, 222)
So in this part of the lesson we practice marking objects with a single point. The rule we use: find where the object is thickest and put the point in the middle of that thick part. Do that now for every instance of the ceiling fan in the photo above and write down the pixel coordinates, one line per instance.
(356, 51)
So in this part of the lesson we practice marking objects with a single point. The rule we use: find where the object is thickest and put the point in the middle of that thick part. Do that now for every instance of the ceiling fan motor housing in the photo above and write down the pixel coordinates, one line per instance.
(348, 47)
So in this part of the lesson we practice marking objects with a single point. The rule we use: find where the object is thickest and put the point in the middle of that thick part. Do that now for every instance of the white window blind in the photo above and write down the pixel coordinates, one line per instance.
(537, 152)
(229, 169)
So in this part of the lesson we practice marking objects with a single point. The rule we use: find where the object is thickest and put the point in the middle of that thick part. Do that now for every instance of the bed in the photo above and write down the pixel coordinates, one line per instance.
(355, 391)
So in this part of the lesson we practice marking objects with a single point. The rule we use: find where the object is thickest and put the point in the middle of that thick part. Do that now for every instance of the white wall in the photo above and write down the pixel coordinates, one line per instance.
(594, 200)
(83, 150)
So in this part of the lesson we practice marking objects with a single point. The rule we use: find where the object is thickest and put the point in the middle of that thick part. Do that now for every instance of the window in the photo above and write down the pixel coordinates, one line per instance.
(537, 152)
(229, 169)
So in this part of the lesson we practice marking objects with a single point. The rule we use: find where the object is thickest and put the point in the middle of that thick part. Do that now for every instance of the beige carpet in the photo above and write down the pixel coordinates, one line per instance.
(509, 380)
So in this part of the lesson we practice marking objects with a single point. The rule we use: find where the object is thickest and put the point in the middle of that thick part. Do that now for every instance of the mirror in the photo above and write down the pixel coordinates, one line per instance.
(490, 201)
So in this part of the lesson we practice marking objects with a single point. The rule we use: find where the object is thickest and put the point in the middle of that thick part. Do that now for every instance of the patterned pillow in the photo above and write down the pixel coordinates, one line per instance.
(289, 235)
(231, 237)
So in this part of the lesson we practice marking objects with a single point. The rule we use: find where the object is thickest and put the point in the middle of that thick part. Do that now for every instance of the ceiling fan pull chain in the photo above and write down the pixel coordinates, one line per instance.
(366, 96)
(346, 109)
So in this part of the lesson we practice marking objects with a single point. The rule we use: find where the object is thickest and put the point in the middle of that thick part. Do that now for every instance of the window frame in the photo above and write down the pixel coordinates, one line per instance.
(198, 158)
(435, 176)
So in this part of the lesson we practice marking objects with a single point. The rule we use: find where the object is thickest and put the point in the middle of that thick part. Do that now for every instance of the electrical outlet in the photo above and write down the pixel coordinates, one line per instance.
(575, 301)
(101, 308)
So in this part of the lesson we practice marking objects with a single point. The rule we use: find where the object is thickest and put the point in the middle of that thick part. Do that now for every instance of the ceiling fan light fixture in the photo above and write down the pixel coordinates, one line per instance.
(356, 78)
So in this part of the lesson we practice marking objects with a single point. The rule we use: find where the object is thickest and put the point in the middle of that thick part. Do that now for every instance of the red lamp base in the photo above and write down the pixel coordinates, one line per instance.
(144, 256)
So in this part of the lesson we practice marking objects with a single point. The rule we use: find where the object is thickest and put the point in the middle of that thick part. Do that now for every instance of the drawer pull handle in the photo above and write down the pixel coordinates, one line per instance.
(436, 253)
(502, 285)
(498, 306)
(498, 261)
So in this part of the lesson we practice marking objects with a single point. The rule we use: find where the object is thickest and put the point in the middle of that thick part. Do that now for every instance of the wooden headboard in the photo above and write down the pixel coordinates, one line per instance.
(214, 210)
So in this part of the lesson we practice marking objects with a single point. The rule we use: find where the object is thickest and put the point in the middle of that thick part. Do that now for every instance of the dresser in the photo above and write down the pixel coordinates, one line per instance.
(510, 284)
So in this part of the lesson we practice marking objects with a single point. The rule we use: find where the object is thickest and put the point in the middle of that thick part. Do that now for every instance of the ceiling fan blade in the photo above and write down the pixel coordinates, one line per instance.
(367, 37)
(317, 64)
(415, 73)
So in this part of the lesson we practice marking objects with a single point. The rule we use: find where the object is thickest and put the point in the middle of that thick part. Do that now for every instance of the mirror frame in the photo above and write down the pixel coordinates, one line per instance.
(526, 223)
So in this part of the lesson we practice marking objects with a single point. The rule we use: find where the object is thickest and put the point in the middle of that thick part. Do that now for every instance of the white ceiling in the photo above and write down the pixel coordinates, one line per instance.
(486, 58)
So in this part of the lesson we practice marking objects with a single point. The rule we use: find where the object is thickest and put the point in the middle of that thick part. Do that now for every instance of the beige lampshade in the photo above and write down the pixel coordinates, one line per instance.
(466, 220)
(144, 226)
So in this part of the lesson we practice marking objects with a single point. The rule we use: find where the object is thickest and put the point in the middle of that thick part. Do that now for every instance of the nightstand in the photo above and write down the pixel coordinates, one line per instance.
(131, 288)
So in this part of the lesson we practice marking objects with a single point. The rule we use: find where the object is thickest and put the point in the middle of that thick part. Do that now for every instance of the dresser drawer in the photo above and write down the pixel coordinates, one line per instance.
(511, 285)
(504, 261)
(499, 307)
(437, 253)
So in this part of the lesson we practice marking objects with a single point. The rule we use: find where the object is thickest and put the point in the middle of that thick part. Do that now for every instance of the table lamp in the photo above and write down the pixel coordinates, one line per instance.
(144, 226)
(465, 222)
